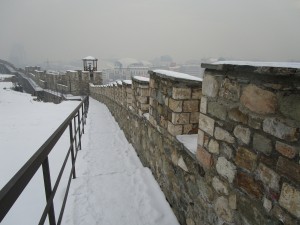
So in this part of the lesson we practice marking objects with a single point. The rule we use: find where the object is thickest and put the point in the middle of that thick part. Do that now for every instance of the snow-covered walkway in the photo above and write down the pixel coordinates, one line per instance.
(112, 186)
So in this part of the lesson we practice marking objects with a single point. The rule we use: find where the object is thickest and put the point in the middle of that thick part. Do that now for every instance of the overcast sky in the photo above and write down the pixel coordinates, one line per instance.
(52, 30)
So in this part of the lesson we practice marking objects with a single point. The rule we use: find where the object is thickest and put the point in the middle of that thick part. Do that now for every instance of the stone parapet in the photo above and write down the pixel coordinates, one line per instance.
(140, 100)
(174, 102)
(249, 141)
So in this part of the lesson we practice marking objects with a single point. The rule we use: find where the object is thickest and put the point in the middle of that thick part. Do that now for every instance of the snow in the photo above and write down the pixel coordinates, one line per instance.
(25, 126)
(177, 75)
(89, 58)
(142, 78)
(189, 141)
(261, 64)
(127, 81)
(112, 186)
(4, 76)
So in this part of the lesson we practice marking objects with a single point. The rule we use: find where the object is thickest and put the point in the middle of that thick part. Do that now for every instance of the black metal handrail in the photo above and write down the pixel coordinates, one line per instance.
(14, 188)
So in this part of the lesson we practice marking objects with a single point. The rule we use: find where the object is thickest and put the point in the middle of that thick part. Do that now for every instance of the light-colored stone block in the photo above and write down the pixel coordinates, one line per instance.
(210, 86)
(219, 186)
(206, 124)
(259, 100)
(181, 93)
(290, 199)
(223, 135)
(226, 169)
(242, 133)
(203, 105)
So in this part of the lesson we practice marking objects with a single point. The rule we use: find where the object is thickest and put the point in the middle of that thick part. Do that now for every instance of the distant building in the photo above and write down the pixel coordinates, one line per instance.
(125, 68)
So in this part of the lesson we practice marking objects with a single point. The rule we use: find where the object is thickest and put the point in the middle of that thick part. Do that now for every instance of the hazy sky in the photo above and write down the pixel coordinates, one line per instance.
(185, 29)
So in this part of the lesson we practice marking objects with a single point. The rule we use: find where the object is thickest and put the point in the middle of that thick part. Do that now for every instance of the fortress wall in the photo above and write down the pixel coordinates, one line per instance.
(244, 166)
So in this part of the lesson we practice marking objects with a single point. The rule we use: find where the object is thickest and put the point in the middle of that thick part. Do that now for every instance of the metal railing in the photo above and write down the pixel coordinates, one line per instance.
(14, 188)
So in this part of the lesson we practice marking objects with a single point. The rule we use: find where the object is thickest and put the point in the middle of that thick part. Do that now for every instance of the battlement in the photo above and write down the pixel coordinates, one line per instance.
(237, 160)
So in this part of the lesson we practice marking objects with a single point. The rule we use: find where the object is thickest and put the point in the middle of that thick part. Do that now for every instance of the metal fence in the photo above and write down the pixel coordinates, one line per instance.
(14, 188)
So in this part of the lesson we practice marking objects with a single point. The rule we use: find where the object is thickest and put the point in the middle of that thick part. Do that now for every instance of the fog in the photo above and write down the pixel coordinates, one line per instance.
(35, 31)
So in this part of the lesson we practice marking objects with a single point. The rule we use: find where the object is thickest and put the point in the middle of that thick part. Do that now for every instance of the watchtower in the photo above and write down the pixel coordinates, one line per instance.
(90, 64)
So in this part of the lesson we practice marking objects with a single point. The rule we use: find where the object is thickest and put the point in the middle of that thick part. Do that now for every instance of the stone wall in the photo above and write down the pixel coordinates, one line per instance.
(245, 166)
(248, 141)
(73, 82)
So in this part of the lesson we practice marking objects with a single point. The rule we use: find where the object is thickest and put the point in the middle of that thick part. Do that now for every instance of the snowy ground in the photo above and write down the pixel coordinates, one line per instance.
(25, 126)
(112, 186)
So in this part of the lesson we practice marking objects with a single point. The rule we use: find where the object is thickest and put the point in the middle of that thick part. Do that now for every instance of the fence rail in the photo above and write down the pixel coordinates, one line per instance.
(14, 188)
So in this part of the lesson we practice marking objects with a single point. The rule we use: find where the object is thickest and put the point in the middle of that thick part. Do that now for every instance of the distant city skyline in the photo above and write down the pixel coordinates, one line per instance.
(35, 31)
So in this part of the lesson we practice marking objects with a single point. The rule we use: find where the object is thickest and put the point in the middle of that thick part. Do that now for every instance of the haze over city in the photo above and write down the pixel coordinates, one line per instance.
(35, 31)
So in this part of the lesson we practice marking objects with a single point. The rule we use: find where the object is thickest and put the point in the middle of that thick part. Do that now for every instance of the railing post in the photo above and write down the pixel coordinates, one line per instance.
(48, 190)
(75, 133)
(72, 148)
(83, 119)
(79, 136)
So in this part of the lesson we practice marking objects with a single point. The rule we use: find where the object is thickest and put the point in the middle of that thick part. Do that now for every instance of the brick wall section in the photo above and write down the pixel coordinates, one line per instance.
(174, 103)
(140, 100)
(248, 142)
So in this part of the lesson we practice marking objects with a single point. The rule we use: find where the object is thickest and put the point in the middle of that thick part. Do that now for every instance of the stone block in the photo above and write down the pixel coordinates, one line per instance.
(196, 93)
(152, 83)
(232, 201)
(226, 169)
(262, 144)
(290, 106)
(222, 209)
(289, 169)
(206, 124)
(290, 199)
(254, 122)
(203, 105)
(223, 135)
(249, 185)
(213, 146)
(242, 133)
(182, 164)
(285, 149)
(283, 216)
(181, 93)
(174, 129)
(175, 105)
(267, 204)
(210, 86)
(245, 159)
(226, 150)
(200, 140)
(219, 186)
(194, 117)
(191, 106)
(205, 158)
(268, 177)
(259, 100)
(142, 99)
(217, 110)
(230, 90)
(180, 118)
(280, 129)
(236, 115)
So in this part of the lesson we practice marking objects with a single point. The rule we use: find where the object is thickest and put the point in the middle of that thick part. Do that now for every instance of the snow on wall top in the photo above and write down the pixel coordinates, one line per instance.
(177, 75)
(139, 78)
(260, 64)
(89, 58)
(127, 81)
